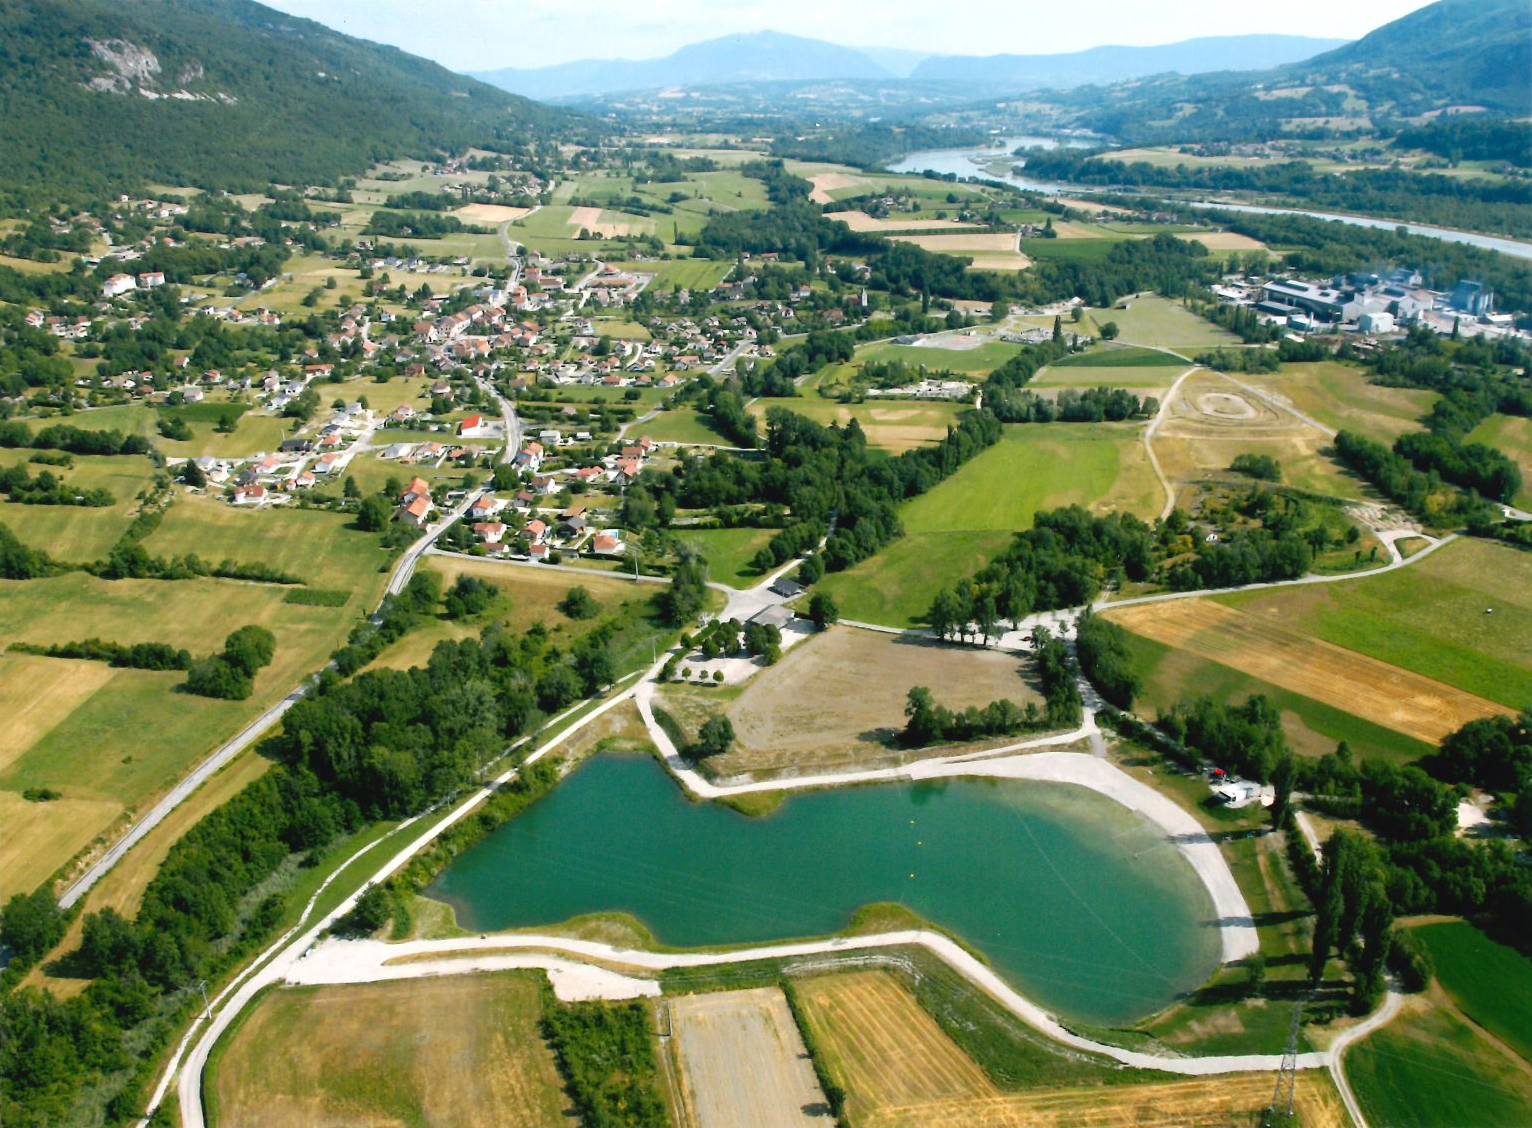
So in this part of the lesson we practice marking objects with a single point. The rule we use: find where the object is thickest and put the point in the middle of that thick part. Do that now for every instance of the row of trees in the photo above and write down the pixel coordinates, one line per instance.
(928, 722)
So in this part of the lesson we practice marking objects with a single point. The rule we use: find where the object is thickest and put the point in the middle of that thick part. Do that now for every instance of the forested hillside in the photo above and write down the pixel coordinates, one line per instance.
(223, 94)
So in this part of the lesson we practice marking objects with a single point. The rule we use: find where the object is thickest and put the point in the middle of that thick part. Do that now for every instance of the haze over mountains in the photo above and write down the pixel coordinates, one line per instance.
(770, 56)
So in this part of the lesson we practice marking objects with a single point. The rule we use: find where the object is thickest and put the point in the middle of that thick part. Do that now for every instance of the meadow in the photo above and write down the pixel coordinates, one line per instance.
(72, 533)
(682, 425)
(254, 432)
(978, 361)
(729, 552)
(1340, 396)
(893, 425)
(1161, 323)
(1486, 980)
(1511, 435)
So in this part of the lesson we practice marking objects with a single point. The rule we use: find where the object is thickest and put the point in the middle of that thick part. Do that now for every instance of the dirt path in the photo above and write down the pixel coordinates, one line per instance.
(1154, 425)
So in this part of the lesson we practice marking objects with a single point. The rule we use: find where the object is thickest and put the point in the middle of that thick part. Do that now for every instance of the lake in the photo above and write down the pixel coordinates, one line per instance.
(1080, 903)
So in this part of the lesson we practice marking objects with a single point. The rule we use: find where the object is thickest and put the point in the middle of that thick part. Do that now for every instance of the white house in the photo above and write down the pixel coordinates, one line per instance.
(118, 284)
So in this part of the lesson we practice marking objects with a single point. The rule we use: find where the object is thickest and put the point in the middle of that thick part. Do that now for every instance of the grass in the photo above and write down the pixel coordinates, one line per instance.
(1129, 356)
(729, 552)
(680, 274)
(456, 1050)
(1429, 1067)
(972, 362)
(1489, 982)
(1153, 320)
(1428, 618)
(1511, 435)
(255, 432)
(958, 526)
(894, 425)
(1340, 396)
(72, 533)
(682, 425)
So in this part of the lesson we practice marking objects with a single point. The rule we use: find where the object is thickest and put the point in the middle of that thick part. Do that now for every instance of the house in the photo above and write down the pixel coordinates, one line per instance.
(474, 427)
(418, 487)
(490, 531)
(538, 552)
(545, 485)
(587, 474)
(397, 450)
(485, 505)
(536, 531)
(250, 495)
(118, 284)
(786, 588)
(326, 463)
(524, 499)
(150, 279)
(416, 511)
(572, 526)
(607, 543)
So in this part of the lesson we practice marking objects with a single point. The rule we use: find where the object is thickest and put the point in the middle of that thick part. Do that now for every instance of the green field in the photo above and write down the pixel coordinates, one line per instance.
(256, 431)
(1489, 982)
(1341, 397)
(681, 425)
(1075, 250)
(893, 425)
(1156, 321)
(679, 274)
(73, 533)
(962, 523)
(1511, 435)
(1311, 727)
(1127, 356)
(1428, 1068)
(729, 552)
(1429, 617)
(976, 361)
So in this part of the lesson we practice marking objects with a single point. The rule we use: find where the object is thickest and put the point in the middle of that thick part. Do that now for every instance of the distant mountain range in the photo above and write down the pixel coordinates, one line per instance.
(224, 93)
(770, 56)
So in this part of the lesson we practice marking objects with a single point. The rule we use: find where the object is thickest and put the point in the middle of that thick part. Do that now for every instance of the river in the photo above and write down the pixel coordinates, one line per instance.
(1080, 903)
(971, 162)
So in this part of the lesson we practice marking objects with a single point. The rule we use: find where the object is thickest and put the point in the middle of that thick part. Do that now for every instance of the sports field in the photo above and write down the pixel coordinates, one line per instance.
(1152, 320)
(835, 699)
(899, 1068)
(464, 1050)
(895, 425)
(1511, 435)
(1340, 396)
(1268, 648)
(743, 1063)
(958, 526)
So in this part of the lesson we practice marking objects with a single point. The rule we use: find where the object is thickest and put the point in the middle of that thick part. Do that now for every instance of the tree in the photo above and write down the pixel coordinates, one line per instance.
(350, 488)
(1282, 776)
(216, 676)
(1109, 331)
(469, 596)
(249, 649)
(30, 925)
(578, 603)
(374, 514)
(192, 474)
(714, 737)
(822, 610)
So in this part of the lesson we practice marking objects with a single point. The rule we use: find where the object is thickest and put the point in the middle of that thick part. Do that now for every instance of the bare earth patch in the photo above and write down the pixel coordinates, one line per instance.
(743, 1063)
(1376, 691)
(993, 242)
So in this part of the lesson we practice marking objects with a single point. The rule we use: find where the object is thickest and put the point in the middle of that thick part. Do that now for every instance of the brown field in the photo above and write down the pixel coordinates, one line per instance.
(1354, 683)
(38, 693)
(462, 1050)
(899, 1069)
(590, 219)
(827, 182)
(39, 837)
(1224, 240)
(834, 698)
(860, 221)
(1000, 262)
(1092, 206)
(743, 1063)
(489, 213)
(993, 242)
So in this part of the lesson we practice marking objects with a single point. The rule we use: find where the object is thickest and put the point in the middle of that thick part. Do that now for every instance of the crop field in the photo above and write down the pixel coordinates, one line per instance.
(1153, 320)
(532, 595)
(1340, 396)
(1267, 648)
(1486, 980)
(834, 699)
(132, 735)
(1142, 379)
(1429, 1067)
(1511, 435)
(743, 1063)
(1429, 618)
(1220, 242)
(968, 354)
(990, 243)
(895, 425)
(1211, 420)
(484, 214)
(460, 1050)
(729, 552)
(957, 527)
(679, 274)
(860, 221)
(899, 1068)
(74, 533)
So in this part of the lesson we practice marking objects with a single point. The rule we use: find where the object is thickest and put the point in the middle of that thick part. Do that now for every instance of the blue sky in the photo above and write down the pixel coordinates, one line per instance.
(487, 34)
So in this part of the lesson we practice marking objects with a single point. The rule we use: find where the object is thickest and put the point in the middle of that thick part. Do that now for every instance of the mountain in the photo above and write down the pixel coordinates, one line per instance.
(899, 62)
(1111, 64)
(763, 56)
(224, 93)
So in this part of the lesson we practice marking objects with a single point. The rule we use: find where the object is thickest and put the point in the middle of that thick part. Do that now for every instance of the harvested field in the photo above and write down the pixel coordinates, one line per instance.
(590, 219)
(743, 1063)
(827, 182)
(998, 242)
(461, 1050)
(895, 426)
(1223, 240)
(40, 837)
(835, 698)
(899, 1068)
(862, 222)
(36, 694)
(1374, 690)
(489, 213)
(1000, 262)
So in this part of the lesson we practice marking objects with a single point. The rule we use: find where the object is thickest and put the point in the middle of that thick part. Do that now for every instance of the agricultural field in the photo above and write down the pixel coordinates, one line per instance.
(1490, 983)
(743, 1063)
(899, 1067)
(1152, 320)
(729, 552)
(1430, 1067)
(989, 251)
(1340, 396)
(531, 595)
(255, 432)
(957, 527)
(969, 354)
(460, 1050)
(73, 533)
(836, 699)
(1222, 242)
(893, 425)
(1211, 419)
(680, 274)
(683, 425)
(1511, 435)
(907, 221)
(1144, 371)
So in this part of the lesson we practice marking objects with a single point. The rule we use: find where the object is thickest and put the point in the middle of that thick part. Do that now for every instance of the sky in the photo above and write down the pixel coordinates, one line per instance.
(476, 35)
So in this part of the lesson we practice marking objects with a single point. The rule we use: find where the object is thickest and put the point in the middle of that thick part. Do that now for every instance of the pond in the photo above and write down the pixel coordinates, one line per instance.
(1079, 903)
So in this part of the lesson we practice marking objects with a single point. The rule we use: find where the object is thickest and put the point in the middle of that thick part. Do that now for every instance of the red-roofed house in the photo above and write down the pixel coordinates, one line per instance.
(417, 511)
(250, 495)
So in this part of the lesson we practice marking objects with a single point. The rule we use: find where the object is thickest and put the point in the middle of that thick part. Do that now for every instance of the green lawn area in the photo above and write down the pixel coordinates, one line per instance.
(1115, 376)
(976, 361)
(893, 425)
(729, 552)
(1488, 981)
(1312, 728)
(1430, 1069)
(1076, 250)
(1125, 356)
(682, 425)
(72, 533)
(1511, 435)
(1340, 396)
(1429, 617)
(1153, 320)
(255, 432)
(678, 274)
(958, 526)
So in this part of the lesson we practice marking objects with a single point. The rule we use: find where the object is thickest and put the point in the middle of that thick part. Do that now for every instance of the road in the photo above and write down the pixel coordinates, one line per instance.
(1154, 425)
